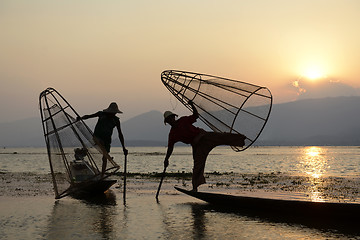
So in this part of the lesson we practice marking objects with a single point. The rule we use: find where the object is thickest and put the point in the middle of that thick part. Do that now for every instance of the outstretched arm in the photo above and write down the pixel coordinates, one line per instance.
(168, 154)
(121, 138)
(87, 116)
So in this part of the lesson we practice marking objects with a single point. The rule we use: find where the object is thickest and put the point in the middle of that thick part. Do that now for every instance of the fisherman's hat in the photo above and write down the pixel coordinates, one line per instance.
(113, 108)
(168, 114)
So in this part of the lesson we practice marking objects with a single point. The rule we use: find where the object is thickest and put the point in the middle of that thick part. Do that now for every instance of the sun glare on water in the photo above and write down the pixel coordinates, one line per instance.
(314, 164)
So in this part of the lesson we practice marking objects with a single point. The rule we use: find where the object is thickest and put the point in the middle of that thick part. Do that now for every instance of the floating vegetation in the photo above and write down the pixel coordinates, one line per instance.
(326, 188)
(339, 189)
(222, 184)
(148, 153)
(176, 175)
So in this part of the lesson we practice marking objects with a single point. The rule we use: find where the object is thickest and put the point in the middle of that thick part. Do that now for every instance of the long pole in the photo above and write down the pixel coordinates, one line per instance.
(125, 165)
(162, 178)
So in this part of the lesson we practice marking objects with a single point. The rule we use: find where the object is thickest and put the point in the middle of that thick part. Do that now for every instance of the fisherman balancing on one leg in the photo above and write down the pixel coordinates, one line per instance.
(107, 121)
(202, 142)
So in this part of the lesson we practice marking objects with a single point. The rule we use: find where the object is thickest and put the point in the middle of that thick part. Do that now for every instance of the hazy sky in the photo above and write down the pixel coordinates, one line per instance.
(94, 52)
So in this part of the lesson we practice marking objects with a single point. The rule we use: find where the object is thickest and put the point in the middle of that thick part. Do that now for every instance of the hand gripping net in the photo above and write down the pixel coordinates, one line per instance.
(224, 105)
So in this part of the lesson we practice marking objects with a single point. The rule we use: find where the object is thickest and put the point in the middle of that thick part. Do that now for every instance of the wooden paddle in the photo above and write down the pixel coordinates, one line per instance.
(125, 165)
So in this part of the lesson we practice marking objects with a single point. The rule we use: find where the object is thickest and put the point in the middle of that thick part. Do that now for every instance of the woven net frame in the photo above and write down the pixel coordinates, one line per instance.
(63, 135)
(224, 105)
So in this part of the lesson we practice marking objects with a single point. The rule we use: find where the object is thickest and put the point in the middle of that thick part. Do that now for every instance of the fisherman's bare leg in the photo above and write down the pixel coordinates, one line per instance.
(100, 143)
(104, 163)
(231, 139)
(200, 153)
(203, 147)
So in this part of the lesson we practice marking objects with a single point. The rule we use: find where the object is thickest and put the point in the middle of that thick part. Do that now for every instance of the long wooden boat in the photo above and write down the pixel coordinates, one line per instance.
(295, 209)
(91, 188)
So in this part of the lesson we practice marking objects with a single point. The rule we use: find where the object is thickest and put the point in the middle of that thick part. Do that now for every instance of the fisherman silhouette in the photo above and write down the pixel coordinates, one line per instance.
(107, 121)
(202, 142)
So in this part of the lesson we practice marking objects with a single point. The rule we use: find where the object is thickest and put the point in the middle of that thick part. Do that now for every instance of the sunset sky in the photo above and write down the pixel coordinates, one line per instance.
(94, 52)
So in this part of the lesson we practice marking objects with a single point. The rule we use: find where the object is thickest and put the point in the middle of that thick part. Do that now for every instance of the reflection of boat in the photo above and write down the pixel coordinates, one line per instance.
(89, 218)
(75, 159)
(290, 209)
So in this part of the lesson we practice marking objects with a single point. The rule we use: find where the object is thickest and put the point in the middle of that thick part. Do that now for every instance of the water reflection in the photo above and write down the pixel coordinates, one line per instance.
(91, 217)
(199, 224)
(313, 162)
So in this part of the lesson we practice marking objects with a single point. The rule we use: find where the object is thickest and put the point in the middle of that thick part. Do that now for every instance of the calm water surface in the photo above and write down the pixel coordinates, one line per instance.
(175, 217)
(317, 171)
(314, 161)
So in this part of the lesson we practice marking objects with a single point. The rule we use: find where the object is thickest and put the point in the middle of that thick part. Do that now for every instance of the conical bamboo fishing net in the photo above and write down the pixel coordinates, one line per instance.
(224, 105)
(63, 135)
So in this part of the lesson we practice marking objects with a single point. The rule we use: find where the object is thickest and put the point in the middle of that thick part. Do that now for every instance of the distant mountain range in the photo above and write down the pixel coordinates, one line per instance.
(326, 121)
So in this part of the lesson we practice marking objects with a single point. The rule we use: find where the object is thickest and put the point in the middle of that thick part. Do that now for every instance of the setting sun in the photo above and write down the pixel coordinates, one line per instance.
(313, 73)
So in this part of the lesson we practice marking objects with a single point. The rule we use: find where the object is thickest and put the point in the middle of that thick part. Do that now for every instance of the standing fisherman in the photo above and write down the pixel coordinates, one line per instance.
(107, 121)
(202, 142)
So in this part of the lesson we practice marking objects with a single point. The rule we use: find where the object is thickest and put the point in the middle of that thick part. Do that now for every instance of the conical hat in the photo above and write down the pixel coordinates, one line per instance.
(113, 108)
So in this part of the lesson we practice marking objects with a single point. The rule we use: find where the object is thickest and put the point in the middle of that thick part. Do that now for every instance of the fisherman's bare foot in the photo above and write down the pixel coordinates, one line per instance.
(194, 190)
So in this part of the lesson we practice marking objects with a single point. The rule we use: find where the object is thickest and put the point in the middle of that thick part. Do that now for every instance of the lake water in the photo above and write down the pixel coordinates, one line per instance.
(28, 209)
(312, 161)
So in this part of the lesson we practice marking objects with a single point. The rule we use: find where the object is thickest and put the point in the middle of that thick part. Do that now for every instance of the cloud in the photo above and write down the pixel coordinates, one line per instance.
(322, 88)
